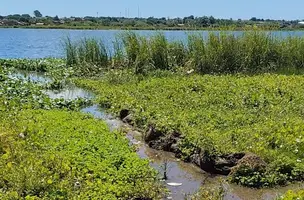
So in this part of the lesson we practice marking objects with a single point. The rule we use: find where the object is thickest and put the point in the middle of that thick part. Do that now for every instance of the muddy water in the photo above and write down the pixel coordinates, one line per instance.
(188, 177)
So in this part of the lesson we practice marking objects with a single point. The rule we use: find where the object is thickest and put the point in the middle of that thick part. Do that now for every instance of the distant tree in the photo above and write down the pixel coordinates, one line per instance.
(212, 20)
(172, 22)
(14, 17)
(27, 16)
(116, 24)
(140, 24)
(37, 13)
(106, 22)
(129, 23)
(56, 18)
(90, 18)
(190, 17)
(188, 20)
(254, 19)
(77, 19)
(151, 21)
(202, 21)
(1, 17)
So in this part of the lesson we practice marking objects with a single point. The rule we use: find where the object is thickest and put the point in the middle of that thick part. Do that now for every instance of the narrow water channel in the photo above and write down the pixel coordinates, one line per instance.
(183, 178)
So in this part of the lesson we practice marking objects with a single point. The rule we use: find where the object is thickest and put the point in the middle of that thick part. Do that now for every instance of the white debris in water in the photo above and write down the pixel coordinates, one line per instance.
(190, 71)
(21, 135)
(169, 198)
(174, 184)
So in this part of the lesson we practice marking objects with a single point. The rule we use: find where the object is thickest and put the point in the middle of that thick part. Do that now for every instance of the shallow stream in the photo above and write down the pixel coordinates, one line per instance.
(186, 177)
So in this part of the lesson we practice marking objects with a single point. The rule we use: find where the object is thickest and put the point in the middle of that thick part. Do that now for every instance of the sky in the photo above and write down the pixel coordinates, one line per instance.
(236, 9)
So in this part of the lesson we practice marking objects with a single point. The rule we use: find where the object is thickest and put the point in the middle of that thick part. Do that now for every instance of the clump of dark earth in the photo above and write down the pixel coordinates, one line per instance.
(126, 117)
(217, 164)
(227, 164)
(123, 113)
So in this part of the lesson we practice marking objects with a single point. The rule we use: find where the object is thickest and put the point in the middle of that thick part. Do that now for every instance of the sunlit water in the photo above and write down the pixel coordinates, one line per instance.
(40, 43)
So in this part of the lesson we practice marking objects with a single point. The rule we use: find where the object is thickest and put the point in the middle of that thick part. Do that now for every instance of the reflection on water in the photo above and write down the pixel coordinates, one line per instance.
(30, 76)
(70, 93)
(95, 110)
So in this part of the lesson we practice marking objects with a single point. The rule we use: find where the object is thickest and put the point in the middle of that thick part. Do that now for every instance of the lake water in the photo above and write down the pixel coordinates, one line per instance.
(41, 43)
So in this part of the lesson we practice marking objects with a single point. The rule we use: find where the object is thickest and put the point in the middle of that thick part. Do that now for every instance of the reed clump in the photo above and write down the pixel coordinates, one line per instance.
(218, 53)
(87, 56)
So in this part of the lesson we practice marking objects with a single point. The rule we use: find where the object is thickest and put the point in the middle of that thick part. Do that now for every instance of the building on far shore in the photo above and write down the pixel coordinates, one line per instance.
(301, 23)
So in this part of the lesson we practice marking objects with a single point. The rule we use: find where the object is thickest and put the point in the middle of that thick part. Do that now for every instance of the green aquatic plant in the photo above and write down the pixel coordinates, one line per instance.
(39, 65)
(68, 155)
(159, 51)
(219, 116)
(48, 151)
(290, 195)
(131, 45)
(217, 53)
(87, 56)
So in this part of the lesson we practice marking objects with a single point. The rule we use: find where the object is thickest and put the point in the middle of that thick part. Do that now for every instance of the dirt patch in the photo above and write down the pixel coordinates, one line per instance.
(160, 141)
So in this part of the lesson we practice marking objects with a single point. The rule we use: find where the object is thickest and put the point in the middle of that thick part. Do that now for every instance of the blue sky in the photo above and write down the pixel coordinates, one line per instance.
(244, 9)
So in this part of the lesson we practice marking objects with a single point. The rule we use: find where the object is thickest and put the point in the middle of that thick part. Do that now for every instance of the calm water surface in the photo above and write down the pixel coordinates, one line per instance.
(41, 43)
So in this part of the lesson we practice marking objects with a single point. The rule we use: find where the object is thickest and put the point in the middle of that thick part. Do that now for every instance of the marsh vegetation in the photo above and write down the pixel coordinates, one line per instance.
(230, 104)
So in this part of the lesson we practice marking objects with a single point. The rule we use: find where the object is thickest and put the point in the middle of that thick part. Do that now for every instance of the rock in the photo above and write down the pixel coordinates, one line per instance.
(128, 119)
(250, 161)
(175, 148)
(196, 159)
(123, 113)
(216, 164)
(152, 135)
(224, 164)
(207, 162)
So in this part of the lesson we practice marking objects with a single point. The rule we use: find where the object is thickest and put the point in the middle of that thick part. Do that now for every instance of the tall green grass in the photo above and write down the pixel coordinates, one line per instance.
(87, 56)
(251, 52)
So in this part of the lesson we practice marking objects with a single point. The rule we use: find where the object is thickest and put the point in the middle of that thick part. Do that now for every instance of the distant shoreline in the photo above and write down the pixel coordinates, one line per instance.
(153, 28)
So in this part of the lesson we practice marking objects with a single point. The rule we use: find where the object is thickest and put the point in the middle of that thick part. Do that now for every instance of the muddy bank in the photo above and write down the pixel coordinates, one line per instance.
(234, 165)
(216, 164)
(209, 170)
